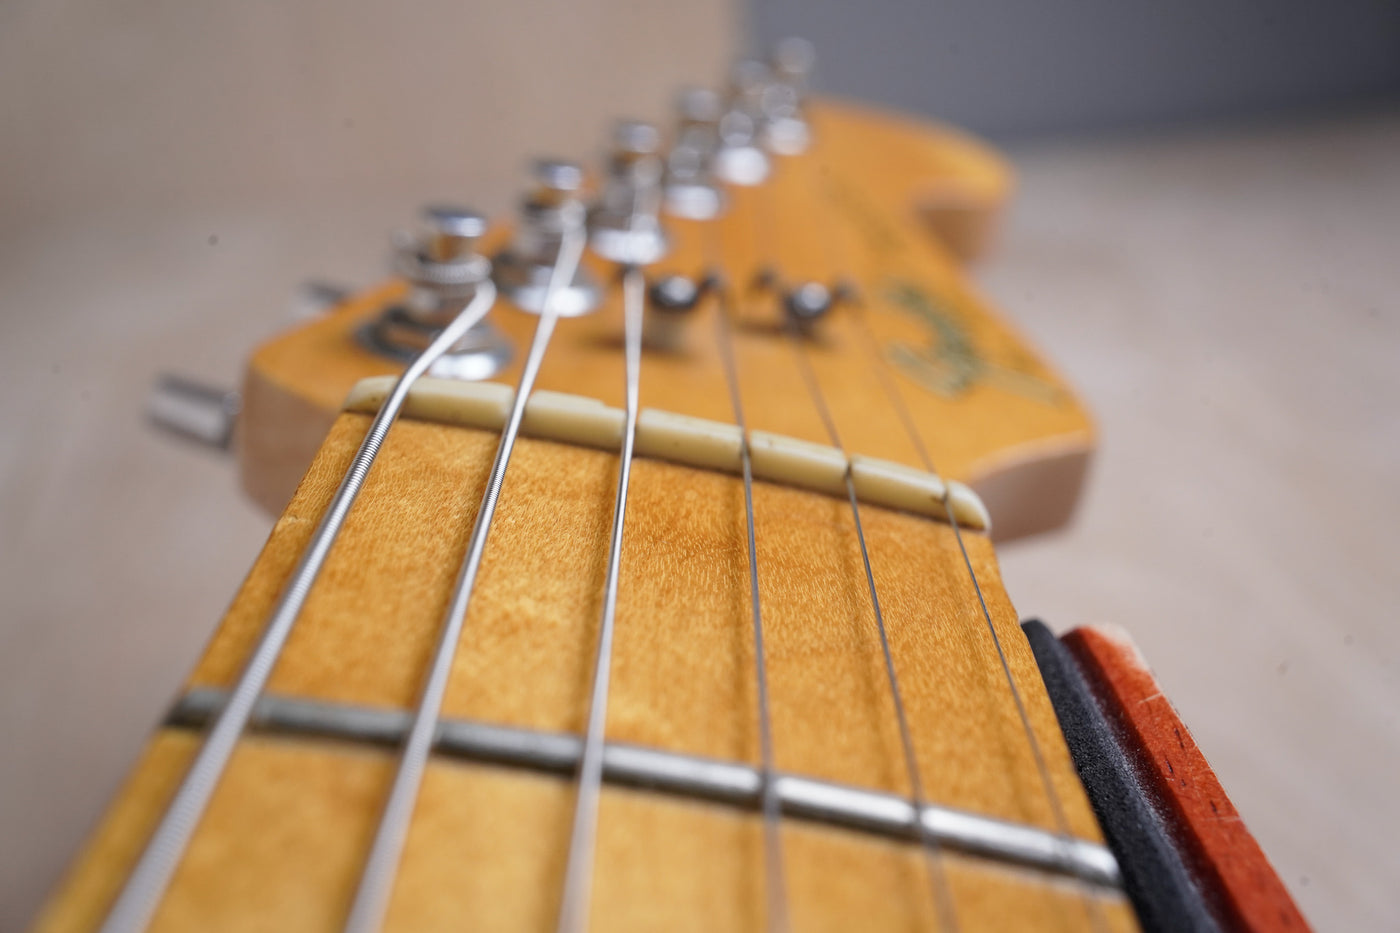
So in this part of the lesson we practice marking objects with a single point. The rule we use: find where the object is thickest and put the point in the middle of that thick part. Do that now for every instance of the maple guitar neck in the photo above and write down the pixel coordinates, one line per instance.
(890, 760)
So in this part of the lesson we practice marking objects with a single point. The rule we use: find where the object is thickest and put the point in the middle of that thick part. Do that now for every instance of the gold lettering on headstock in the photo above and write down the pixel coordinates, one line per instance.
(950, 362)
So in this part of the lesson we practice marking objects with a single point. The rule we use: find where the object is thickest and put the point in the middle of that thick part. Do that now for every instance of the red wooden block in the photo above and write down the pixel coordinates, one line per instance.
(1238, 881)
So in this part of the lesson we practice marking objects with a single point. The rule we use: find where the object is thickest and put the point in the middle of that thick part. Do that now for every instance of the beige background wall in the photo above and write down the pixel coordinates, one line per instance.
(169, 172)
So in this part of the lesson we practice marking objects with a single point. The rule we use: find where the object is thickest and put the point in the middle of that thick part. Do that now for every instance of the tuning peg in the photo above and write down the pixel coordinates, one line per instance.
(550, 209)
(740, 160)
(785, 129)
(792, 61)
(454, 232)
(194, 411)
(624, 227)
(690, 188)
(443, 267)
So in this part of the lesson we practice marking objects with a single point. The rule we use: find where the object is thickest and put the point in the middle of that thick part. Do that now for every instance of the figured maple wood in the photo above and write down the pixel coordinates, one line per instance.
(857, 208)
(281, 845)
(288, 829)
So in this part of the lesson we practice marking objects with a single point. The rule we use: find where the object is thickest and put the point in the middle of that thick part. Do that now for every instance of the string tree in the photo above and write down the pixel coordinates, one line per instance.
(624, 225)
(671, 299)
(551, 208)
(805, 304)
(443, 268)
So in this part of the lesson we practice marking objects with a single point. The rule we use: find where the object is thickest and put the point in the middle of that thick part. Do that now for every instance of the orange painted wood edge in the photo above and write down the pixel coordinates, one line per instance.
(1236, 877)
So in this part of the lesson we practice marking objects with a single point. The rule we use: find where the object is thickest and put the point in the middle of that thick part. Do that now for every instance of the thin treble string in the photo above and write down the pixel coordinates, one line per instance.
(573, 910)
(942, 893)
(372, 895)
(772, 829)
(892, 390)
(938, 883)
(144, 888)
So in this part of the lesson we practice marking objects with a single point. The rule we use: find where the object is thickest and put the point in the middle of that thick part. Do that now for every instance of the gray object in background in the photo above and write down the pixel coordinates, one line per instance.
(1017, 68)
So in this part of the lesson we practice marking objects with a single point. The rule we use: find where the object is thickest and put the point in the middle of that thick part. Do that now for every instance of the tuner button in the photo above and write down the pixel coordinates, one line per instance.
(194, 411)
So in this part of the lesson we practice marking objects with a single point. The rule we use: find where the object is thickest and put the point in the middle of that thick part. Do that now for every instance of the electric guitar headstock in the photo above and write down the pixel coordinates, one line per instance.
(854, 224)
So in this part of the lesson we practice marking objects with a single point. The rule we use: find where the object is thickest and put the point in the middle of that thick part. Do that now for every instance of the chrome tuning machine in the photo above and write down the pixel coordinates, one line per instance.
(691, 190)
(740, 159)
(443, 268)
(550, 210)
(785, 129)
(624, 225)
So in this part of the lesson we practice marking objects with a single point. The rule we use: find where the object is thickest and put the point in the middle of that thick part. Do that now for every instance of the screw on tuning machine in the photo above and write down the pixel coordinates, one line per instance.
(624, 226)
(443, 269)
(691, 191)
(548, 212)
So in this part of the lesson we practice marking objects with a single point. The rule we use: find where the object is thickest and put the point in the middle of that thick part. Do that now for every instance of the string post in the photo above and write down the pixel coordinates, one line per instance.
(444, 270)
(785, 127)
(550, 212)
(624, 226)
(690, 188)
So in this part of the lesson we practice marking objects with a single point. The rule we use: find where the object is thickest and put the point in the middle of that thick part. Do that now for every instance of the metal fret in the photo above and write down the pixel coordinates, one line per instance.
(726, 783)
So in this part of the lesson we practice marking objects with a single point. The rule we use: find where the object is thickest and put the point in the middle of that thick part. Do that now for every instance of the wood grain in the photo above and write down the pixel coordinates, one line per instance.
(279, 851)
(683, 681)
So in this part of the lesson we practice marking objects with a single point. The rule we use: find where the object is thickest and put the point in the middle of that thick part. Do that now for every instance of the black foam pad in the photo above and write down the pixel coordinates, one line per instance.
(1154, 876)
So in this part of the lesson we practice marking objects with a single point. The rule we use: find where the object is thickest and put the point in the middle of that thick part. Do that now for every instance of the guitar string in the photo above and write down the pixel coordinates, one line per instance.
(372, 894)
(1042, 768)
(776, 887)
(573, 910)
(940, 890)
(942, 893)
(892, 391)
(141, 894)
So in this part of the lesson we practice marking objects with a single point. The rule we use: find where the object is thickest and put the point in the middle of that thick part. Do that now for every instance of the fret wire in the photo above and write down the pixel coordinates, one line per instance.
(772, 830)
(376, 883)
(891, 389)
(573, 909)
(941, 892)
(140, 896)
